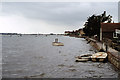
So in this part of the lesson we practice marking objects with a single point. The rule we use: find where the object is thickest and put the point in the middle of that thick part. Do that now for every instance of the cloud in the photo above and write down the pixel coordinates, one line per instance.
(54, 16)
(20, 24)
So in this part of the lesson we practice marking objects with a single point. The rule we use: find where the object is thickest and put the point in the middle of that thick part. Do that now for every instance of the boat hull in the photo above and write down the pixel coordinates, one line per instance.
(81, 60)
(57, 44)
(100, 57)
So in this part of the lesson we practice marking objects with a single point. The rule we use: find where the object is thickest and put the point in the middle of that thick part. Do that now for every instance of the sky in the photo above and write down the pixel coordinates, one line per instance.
(119, 12)
(50, 17)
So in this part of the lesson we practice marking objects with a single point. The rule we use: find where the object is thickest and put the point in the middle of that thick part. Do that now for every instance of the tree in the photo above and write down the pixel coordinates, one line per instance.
(92, 26)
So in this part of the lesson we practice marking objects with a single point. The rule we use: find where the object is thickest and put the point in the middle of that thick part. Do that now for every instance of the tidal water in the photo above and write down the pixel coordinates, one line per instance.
(34, 57)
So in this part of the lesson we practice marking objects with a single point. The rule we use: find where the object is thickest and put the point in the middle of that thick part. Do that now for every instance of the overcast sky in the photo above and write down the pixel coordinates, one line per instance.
(50, 17)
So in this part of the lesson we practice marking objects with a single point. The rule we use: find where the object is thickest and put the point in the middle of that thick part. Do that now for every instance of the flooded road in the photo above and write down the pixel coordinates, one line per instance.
(31, 56)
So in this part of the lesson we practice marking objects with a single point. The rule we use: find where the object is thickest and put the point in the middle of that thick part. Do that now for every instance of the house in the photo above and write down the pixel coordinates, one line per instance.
(81, 32)
(108, 30)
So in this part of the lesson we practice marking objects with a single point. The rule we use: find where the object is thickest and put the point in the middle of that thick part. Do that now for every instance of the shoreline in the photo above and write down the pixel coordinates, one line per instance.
(113, 55)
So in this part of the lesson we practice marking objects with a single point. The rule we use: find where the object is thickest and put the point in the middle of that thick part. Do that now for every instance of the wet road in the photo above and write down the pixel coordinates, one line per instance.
(31, 56)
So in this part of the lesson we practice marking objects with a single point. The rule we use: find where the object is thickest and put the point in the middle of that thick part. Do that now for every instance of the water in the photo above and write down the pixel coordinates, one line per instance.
(31, 56)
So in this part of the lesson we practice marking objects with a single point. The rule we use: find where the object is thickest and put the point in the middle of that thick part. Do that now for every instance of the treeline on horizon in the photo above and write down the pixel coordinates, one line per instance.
(28, 34)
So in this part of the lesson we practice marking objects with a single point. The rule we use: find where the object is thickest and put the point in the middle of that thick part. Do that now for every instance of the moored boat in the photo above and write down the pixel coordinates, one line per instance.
(83, 58)
(100, 56)
(96, 57)
(57, 44)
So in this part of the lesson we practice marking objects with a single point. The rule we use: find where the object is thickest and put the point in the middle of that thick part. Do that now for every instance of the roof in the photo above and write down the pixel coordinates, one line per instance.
(110, 27)
(82, 32)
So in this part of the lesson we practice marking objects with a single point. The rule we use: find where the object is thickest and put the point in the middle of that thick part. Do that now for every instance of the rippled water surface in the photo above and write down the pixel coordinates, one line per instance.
(31, 56)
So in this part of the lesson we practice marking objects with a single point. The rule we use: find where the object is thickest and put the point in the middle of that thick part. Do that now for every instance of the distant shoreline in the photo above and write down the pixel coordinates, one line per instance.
(27, 34)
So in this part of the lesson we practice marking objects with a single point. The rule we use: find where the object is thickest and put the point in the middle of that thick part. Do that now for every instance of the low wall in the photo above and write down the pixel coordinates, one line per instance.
(114, 60)
(113, 55)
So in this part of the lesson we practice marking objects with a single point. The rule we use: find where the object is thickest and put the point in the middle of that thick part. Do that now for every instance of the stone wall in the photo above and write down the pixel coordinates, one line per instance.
(114, 60)
(113, 55)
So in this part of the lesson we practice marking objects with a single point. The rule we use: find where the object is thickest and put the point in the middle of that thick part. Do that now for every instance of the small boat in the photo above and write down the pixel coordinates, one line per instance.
(81, 60)
(86, 55)
(100, 56)
(56, 43)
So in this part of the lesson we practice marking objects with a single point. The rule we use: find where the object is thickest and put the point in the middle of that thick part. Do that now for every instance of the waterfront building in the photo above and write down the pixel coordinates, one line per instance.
(108, 30)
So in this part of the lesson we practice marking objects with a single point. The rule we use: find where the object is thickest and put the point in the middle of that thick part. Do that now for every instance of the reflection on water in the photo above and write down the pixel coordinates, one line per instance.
(31, 56)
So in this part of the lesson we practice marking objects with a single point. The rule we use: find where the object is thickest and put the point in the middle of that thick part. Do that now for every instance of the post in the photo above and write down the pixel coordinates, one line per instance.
(106, 43)
(100, 34)
(106, 48)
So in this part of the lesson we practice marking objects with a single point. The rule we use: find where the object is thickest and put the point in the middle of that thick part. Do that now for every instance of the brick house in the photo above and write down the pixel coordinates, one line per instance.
(108, 29)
